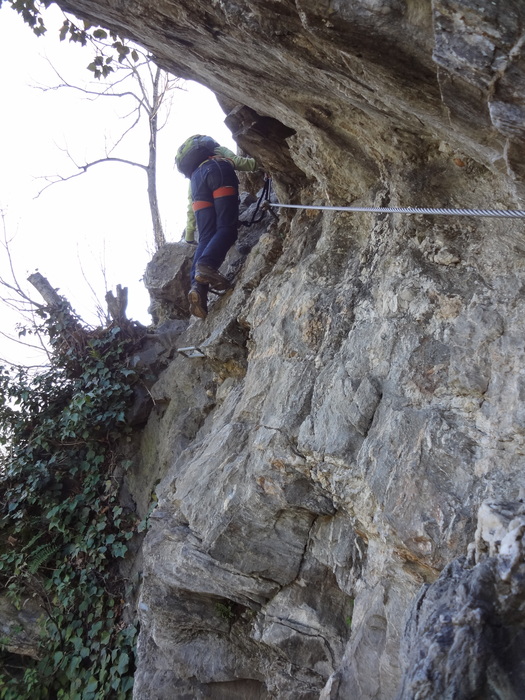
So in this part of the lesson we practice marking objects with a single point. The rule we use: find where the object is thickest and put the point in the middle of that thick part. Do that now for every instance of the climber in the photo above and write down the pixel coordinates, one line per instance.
(213, 209)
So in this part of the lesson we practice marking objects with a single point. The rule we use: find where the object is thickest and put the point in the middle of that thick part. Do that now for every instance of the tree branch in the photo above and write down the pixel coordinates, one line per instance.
(46, 291)
(84, 168)
(117, 305)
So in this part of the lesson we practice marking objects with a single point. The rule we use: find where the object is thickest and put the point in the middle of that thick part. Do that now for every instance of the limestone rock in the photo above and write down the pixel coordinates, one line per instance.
(466, 631)
(20, 627)
(360, 394)
(167, 279)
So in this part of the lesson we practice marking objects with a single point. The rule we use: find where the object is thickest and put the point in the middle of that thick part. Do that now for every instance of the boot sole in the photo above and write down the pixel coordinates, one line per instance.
(195, 305)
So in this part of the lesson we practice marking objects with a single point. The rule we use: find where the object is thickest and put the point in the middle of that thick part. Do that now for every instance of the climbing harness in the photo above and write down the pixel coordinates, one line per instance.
(265, 194)
(505, 213)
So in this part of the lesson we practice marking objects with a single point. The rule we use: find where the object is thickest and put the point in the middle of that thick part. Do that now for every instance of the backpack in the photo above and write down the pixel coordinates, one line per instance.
(193, 152)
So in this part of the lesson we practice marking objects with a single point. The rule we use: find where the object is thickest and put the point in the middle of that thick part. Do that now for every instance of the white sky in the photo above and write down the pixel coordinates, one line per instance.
(100, 219)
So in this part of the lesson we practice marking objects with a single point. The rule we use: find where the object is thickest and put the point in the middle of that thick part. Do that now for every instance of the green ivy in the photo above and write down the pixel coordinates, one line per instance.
(108, 45)
(30, 10)
(62, 528)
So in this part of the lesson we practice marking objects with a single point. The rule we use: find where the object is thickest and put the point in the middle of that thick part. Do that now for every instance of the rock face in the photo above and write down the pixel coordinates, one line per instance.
(360, 392)
(465, 635)
(167, 279)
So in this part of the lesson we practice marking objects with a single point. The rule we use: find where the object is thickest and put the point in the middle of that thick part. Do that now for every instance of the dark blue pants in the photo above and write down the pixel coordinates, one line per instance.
(215, 193)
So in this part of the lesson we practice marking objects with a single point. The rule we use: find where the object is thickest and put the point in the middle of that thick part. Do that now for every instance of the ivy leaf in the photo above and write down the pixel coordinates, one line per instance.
(64, 30)
(119, 549)
(92, 685)
(122, 663)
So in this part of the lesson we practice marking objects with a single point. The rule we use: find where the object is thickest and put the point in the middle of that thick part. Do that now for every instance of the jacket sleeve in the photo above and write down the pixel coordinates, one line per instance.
(190, 219)
(239, 163)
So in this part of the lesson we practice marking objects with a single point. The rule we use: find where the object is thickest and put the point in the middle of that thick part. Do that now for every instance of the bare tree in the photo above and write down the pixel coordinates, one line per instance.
(17, 302)
(149, 89)
(28, 311)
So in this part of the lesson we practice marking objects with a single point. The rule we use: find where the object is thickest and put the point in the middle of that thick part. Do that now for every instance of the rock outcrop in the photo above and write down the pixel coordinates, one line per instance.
(466, 633)
(360, 392)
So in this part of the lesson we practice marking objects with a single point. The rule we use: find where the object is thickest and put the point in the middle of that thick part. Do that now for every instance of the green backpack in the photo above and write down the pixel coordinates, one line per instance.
(193, 152)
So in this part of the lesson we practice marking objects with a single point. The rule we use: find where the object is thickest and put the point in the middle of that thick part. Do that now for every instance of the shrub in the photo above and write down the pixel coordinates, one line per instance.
(62, 528)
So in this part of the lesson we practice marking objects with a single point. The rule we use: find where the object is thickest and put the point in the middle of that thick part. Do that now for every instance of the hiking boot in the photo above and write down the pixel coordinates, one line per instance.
(198, 298)
(208, 275)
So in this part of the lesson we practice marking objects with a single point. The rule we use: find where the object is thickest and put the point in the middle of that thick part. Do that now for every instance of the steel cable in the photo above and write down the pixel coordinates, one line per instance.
(504, 213)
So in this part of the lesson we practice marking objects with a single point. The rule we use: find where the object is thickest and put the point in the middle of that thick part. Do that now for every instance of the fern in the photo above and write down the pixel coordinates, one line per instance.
(40, 556)
(32, 541)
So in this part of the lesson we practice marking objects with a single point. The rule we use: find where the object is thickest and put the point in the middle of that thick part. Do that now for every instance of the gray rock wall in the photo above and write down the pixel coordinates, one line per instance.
(361, 392)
